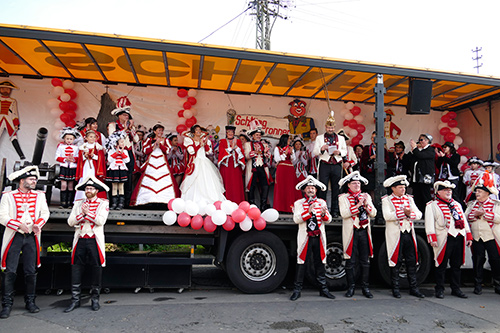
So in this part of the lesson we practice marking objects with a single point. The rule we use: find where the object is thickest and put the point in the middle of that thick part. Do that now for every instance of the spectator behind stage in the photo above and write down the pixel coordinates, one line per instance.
(350, 160)
(447, 166)
(399, 162)
(313, 160)
(423, 169)
(368, 164)
(358, 151)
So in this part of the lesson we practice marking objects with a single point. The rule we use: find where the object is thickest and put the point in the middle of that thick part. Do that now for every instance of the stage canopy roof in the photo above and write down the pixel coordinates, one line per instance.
(82, 56)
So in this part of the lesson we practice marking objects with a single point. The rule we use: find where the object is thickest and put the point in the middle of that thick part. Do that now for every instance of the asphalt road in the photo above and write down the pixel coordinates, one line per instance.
(215, 307)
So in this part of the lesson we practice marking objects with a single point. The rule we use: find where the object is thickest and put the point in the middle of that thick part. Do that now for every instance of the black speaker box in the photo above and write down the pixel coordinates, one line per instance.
(419, 96)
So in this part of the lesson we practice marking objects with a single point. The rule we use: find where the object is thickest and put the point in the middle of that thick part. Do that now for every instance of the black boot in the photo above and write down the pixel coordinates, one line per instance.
(96, 287)
(70, 198)
(395, 282)
(114, 202)
(76, 287)
(63, 195)
(18, 149)
(351, 284)
(477, 266)
(8, 280)
(365, 276)
(411, 271)
(320, 272)
(299, 279)
(121, 202)
(29, 298)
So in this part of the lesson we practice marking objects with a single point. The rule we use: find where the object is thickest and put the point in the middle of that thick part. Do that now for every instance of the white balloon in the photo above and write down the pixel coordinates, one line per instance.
(219, 217)
(253, 206)
(226, 206)
(202, 206)
(455, 130)
(458, 140)
(246, 224)
(210, 209)
(56, 135)
(65, 97)
(444, 113)
(234, 206)
(68, 84)
(192, 208)
(182, 101)
(349, 116)
(270, 215)
(59, 125)
(169, 217)
(178, 205)
(188, 114)
(349, 105)
(53, 103)
(441, 125)
(58, 91)
(343, 112)
(181, 121)
(359, 118)
(55, 112)
(353, 132)
(194, 112)
(192, 93)
(463, 159)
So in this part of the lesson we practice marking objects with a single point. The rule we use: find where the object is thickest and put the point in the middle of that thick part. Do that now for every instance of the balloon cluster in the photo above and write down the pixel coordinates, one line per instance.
(221, 213)
(187, 115)
(353, 122)
(449, 130)
(63, 105)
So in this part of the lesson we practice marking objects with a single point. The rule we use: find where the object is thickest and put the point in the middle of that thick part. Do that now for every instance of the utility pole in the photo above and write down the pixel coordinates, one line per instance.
(477, 58)
(266, 12)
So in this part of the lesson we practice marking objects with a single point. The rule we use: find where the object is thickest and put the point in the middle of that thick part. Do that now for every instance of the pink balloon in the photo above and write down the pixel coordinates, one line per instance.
(183, 219)
(229, 224)
(254, 213)
(244, 205)
(170, 204)
(356, 110)
(209, 226)
(259, 224)
(452, 123)
(217, 204)
(238, 215)
(197, 222)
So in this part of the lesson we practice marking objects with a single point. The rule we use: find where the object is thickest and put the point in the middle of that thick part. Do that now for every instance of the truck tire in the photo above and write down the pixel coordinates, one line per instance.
(257, 262)
(335, 267)
(425, 260)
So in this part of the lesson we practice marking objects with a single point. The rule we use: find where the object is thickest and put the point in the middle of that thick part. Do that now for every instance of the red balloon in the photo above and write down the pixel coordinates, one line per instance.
(346, 122)
(445, 118)
(71, 114)
(56, 82)
(359, 137)
(253, 213)
(186, 105)
(72, 106)
(64, 106)
(209, 226)
(453, 123)
(182, 93)
(464, 167)
(353, 123)
(462, 151)
(355, 141)
(445, 130)
(229, 224)
(245, 206)
(71, 93)
(180, 113)
(170, 204)
(450, 137)
(259, 224)
(183, 219)
(238, 215)
(190, 122)
(65, 117)
(217, 204)
(197, 222)
(452, 115)
(192, 100)
(181, 128)
(356, 110)
(71, 123)
(360, 128)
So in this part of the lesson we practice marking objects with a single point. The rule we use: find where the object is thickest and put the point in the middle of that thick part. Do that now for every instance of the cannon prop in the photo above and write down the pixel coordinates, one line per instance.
(48, 174)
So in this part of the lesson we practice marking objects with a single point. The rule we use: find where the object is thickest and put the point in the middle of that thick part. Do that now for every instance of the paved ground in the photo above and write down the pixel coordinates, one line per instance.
(216, 309)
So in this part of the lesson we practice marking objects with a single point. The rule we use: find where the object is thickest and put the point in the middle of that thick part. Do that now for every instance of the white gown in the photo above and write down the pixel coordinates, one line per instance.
(204, 184)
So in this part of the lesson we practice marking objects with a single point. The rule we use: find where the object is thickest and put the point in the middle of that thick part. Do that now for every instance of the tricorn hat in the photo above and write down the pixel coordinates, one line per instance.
(491, 163)
(70, 131)
(230, 127)
(29, 171)
(122, 106)
(255, 127)
(396, 180)
(92, 181)
(475, 159)
(343, 133)
(310, 181)
(352, 177)
(8, 84)
(441, 185)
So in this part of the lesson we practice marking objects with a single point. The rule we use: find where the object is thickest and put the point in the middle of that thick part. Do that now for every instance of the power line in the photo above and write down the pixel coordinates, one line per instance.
(222, 26)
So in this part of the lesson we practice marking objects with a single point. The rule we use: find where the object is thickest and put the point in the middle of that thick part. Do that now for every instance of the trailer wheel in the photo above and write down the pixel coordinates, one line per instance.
(423, 267)
(335, 267)
(257, 262)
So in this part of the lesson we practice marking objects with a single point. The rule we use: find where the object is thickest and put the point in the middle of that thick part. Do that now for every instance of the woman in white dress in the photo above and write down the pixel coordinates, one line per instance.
(202, 180)
(157, 183)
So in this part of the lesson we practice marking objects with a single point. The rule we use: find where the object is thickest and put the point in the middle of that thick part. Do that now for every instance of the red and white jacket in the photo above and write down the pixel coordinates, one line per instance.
(487, 226)
(396, 222)
(18, 208)
(90, 225)
(118, 160)
(470, 176)
(64, 151)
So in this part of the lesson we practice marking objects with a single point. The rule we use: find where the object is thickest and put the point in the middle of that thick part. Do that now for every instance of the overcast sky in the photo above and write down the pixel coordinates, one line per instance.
(437, 34)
